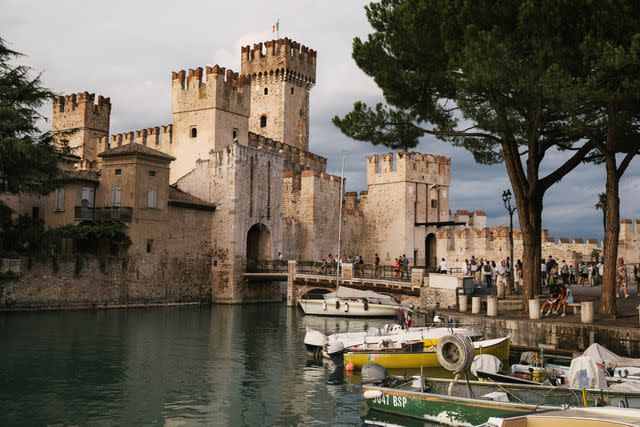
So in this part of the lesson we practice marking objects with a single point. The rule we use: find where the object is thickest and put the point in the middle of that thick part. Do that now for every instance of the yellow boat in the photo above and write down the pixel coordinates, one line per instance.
(392, 359)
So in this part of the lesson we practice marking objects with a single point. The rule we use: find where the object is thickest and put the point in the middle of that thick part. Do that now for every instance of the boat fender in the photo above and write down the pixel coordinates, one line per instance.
(337, 305)
(455, 352)
(324, 305)
(372, 373)
(366, 305)
(346, 307)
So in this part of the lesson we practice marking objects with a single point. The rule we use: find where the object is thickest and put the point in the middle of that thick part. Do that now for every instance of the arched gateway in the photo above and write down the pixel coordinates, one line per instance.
(259, 242)
(430, 255)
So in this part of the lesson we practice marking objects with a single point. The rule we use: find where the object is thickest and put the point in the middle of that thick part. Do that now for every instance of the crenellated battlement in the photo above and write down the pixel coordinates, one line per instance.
(155, 137)
(80, 110)
(281, 59)
(211, 87)
(409, 166)
(295, 159)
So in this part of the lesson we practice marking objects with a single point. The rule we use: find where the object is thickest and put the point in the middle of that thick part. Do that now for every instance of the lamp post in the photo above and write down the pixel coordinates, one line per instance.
(506, 198)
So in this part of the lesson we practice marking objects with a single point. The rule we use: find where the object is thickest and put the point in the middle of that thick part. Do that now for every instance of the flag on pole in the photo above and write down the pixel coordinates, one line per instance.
(276, 27)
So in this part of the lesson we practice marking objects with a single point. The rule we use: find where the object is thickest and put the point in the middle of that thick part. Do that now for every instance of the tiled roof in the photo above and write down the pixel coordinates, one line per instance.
(83, 175)
(135, 149)
(180, 198)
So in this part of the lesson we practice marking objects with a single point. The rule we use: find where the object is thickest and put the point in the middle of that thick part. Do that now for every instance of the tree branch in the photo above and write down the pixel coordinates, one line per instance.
(567, 167)
(625, 163)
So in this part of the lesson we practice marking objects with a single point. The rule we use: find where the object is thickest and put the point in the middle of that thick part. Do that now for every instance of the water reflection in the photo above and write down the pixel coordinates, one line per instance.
(220, 365)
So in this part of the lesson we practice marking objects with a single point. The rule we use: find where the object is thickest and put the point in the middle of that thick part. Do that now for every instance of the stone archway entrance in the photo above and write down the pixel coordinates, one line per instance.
(259, 242)
(430, 255)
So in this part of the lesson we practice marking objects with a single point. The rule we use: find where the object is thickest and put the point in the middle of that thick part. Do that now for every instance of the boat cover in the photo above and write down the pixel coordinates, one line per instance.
(584, 373)
(350, 293)
(611, 360)
(486, 363)
(626, 386)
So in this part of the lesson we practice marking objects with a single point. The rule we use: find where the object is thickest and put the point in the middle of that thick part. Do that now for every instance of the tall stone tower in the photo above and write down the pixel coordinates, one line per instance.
(404, 190)
(282, 73)
(207, 115)
(79, 123)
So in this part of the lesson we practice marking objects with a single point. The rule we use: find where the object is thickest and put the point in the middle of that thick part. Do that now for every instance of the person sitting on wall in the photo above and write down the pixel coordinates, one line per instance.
(566, 298)
(552, 301)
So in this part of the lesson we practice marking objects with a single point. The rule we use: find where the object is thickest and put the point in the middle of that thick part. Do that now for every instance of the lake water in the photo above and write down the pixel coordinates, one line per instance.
(172, 366)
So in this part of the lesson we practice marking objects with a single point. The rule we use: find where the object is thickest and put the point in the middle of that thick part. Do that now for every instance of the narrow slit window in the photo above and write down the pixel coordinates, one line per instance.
(194, 132)
(266, 91)
(263, 121)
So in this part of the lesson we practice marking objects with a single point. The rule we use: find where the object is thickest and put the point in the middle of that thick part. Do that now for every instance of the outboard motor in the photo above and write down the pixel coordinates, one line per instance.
(372, 373)
(336, 354)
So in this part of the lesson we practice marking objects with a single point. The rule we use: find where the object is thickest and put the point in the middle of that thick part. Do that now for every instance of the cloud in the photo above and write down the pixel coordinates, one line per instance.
(127, 50)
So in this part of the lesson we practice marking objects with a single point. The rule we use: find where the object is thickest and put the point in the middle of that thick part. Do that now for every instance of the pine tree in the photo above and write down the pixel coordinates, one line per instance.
(27, 160)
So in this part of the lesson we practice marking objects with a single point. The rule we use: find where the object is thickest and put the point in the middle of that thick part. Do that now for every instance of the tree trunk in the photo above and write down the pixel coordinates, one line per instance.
(530, 216)
(611, 236)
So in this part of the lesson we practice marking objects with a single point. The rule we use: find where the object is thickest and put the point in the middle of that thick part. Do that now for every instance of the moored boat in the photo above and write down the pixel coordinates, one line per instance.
(348, 302)
(439, 406)
(390, 336)
(426, 358)
(462, 402)
(573, 417)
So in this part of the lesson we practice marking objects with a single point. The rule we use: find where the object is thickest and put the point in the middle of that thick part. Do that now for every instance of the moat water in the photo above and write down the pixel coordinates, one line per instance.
(171, 366)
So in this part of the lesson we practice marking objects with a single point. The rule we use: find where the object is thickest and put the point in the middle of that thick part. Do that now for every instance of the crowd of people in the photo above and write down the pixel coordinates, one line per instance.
(493, 274)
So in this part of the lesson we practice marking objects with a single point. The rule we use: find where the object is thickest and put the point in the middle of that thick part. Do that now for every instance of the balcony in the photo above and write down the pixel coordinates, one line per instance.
(103, 214)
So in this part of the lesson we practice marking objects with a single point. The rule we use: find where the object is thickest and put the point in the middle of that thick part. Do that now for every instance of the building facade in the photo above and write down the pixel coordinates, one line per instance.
(232, 180)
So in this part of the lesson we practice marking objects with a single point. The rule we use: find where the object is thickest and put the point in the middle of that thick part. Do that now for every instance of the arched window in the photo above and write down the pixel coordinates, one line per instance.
(292, 91)
(194, 132)
(263, 121)
(266, 91)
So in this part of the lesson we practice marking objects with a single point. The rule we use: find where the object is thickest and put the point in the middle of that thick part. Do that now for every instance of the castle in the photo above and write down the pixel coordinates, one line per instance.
(232, 179)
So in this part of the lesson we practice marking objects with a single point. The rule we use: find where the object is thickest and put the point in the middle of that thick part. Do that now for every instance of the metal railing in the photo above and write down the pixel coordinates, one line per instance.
(365, 271)
(265, 266)
(82, 213)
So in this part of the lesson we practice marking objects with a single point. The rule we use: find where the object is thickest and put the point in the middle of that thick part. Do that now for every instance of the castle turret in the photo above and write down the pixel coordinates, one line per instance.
(282, 73)
(207, 114)
(79, 123)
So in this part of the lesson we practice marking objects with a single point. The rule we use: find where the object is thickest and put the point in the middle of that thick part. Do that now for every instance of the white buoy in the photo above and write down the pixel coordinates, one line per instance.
(534, 309)
(492, 306)
(475, 305)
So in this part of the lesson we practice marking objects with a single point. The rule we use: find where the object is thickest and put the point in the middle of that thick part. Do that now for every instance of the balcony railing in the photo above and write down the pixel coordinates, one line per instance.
(114, 213)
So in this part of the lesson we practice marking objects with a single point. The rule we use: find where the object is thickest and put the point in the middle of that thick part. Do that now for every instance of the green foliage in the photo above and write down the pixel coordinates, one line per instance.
(115, 233)
(25, 236)
(27, 160)
(471, 73)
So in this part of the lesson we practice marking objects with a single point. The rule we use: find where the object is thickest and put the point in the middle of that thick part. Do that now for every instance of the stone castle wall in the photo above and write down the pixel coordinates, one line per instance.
(97, 282)
(245, 185)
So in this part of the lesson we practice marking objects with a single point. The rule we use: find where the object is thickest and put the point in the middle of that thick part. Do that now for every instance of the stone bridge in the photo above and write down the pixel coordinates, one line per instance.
(308, 277)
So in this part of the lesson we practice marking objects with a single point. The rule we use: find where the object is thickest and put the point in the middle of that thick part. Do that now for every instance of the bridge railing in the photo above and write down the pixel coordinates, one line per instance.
(383, 272)
(316, 267)
(265, 266)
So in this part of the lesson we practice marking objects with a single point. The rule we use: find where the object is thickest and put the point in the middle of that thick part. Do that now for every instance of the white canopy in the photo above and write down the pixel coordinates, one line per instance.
(605, 356)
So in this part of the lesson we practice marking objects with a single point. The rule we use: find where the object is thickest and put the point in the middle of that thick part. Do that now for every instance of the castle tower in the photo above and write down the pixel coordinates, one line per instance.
(79, 124)
(207, 115)
(282, 73)
(405, 189)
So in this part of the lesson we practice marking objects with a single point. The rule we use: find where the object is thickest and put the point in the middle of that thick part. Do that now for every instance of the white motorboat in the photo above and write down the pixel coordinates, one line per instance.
(391, 336)
(351, 303)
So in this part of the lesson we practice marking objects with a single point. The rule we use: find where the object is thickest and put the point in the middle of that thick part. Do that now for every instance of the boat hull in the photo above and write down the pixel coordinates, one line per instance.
(448, 410)
(426, 359)
(320, 307)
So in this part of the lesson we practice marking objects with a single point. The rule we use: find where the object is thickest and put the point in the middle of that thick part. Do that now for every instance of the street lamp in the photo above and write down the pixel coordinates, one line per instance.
(506, 198)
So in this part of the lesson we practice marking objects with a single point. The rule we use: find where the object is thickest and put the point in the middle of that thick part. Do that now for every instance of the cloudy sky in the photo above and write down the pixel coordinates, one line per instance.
(127, 50)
